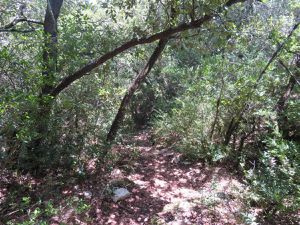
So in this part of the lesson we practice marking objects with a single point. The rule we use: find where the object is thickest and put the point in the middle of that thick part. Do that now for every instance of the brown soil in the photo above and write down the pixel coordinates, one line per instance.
(164, 190)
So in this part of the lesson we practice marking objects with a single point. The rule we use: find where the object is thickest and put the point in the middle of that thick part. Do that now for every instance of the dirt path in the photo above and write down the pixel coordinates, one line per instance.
(167, 190)
(164, 190)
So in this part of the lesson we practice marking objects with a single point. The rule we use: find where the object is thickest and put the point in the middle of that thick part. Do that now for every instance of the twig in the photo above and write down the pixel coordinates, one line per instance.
(13, 212)
(288, 70)
(19, 20)
(276, 53)
(17, 31)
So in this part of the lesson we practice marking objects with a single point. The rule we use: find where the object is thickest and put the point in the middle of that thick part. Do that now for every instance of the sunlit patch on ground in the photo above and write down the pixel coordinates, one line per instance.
(193, 194)
(164, 190)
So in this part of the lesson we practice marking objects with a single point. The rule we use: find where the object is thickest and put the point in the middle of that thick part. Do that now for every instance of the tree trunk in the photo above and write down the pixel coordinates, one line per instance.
(49, 69)
(229, 131)
(133, 87)
(50, 45)
(282, 103)
(234, 124)
(50, 63)
(217, 111)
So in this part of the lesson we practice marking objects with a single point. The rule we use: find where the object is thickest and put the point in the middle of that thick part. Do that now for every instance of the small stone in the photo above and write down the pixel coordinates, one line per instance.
(176, 159)
(87, 194)
(117, 174)
(120, 194)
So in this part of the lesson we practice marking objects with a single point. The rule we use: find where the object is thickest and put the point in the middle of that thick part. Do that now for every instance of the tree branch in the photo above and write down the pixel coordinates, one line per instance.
(17, 31)
(253, 89)
(20, 20)
(276, 53)
(288, 70)
(132, 43)
(135, 85)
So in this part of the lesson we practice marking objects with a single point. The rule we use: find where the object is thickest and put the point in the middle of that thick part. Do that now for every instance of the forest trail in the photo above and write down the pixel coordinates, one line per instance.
(164, 190)
(167, 190)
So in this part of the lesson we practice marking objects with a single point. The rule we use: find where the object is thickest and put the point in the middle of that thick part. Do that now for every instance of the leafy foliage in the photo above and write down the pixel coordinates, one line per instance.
(227, 91)
(275, 177)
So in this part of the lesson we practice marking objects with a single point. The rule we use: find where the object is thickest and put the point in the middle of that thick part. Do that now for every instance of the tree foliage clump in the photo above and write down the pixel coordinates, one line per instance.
(217, 80)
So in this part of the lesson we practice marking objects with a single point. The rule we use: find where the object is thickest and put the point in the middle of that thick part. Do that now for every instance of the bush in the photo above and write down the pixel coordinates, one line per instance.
(187, 128)
(276, 177)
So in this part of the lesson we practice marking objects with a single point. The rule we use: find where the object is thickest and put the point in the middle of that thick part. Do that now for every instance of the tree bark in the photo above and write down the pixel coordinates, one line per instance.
(50, 46)
(133, 87)
(49, 69)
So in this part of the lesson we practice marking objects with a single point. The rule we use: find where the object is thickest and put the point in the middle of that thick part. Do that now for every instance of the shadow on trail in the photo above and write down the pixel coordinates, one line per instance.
(165, 190)
(179, 187)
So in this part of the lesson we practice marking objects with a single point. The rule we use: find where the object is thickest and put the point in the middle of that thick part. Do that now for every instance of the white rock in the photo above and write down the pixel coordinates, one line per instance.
(87, 194)
(120, 194)
(116, 173)
(176, 159)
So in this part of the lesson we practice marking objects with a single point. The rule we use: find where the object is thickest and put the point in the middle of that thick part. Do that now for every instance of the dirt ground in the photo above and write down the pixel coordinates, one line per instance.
(165, 189)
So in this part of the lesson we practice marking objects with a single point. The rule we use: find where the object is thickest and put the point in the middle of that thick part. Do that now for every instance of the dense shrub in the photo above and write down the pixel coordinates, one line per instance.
(275, 177)
(187, 127)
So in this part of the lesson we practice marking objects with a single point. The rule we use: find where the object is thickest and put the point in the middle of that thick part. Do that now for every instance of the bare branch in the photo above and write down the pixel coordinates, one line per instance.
(135, 85)
(10, 27)
(17, 31)
(276, 53)
(288, 70)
